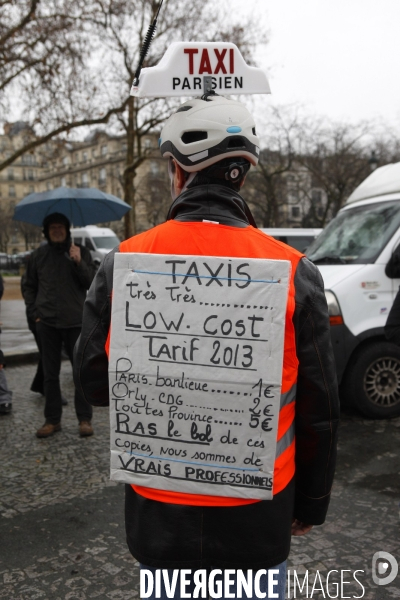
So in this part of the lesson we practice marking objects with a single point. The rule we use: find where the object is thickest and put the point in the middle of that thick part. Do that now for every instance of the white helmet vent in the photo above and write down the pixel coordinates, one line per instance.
(189, 137)
(236, 142)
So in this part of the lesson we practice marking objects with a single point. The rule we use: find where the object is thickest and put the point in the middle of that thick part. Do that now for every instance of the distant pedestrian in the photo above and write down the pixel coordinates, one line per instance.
(5, 393)
(57, 277)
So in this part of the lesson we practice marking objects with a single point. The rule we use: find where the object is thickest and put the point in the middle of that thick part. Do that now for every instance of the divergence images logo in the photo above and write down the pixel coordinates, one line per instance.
(381, 561)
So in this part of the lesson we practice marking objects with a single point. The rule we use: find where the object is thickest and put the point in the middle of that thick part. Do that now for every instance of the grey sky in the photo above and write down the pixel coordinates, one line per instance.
(339, 58)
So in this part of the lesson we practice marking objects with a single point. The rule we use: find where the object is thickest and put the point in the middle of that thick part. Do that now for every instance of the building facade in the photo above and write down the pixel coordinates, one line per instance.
(278, 198)
(98, 161)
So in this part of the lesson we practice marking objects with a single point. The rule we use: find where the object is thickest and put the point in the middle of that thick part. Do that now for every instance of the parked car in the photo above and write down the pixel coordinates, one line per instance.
(297, 237)
(358, 254)
(99, 240)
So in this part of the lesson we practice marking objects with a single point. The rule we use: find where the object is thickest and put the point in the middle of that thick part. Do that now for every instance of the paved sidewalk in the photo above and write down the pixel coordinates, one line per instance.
(16, 341)
(62, 526)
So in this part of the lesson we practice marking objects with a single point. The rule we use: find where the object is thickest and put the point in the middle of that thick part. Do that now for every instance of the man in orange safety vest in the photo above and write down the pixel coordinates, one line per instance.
(210, 144)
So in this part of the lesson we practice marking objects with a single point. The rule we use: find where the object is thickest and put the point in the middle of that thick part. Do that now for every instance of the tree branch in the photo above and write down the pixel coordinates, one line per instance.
(62, 129)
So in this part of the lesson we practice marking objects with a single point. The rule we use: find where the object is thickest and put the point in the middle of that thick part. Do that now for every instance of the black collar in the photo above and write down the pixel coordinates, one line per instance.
(213, 203)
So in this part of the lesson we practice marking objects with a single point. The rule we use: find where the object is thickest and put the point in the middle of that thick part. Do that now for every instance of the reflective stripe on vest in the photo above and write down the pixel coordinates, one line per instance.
(209, 239)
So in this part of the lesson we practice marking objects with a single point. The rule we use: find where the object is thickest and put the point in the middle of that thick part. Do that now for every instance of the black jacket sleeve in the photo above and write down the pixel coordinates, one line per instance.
(85, 271)
(317, 400)
(91, 361)
(392, 327)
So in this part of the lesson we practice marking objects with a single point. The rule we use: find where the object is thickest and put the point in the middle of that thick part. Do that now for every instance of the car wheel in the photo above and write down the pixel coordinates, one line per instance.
(373, 381)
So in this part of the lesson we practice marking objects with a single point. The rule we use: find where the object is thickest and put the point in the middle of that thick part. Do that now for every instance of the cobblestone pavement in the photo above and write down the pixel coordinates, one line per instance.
(61, 525)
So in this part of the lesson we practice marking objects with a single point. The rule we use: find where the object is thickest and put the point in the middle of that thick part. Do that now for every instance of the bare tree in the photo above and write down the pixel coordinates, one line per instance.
(122, 40)
(154, 194)
(72, 63)
(5, 228)
(46, 66)
(336, 157)
(313, 163)
(31, 233)
(384, 147)
(268, 189)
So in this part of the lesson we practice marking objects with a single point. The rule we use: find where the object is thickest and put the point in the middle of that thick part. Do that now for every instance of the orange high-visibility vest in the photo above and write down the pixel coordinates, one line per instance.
(209, 239)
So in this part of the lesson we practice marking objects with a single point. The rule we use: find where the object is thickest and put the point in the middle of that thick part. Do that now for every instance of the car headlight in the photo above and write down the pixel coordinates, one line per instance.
(335, 314)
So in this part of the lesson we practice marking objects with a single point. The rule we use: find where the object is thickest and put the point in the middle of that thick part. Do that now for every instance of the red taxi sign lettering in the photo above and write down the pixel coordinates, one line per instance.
(182, 70)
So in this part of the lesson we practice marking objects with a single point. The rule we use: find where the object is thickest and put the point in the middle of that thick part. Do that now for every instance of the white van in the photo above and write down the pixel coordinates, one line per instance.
(99, 240)
(358, 255)
(297, 237)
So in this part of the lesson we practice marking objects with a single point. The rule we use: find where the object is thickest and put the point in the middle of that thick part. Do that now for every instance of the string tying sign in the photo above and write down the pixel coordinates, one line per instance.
(195, 372)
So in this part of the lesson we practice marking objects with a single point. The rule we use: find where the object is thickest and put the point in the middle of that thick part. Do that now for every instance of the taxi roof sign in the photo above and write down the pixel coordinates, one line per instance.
(194, 68)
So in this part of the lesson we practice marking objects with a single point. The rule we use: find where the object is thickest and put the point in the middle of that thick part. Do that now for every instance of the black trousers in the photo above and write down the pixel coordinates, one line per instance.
(38, 381)
(51, 341)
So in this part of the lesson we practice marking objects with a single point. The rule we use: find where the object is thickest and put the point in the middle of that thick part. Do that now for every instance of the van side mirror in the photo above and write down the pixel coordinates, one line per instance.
(392, 269)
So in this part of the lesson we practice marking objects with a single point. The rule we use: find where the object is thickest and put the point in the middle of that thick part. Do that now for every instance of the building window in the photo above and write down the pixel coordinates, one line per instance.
(27, 159)
(30, 174)
(102, 176)
(104, 150)
(85, 180)
(320, 211)
(84, 156)
(63, 182)
(77, 157)
(10, 174)
(48, 185)
(147, 143)
(65, 160)
(11, 191)
(31, 189)
(295, 211)
(316, 196)
(93, 152)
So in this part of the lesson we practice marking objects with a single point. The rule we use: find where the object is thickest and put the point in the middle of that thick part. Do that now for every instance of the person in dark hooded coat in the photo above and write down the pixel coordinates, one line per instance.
(57, 278)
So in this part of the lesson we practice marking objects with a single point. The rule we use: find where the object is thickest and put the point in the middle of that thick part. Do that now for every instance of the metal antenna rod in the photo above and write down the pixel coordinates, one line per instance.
(146, 45)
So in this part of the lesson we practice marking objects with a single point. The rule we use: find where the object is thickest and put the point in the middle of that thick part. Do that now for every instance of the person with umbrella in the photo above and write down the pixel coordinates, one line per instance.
(57, 278)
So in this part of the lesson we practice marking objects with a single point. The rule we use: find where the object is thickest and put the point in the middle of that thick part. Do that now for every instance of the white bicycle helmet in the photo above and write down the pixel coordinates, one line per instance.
(204, 132)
